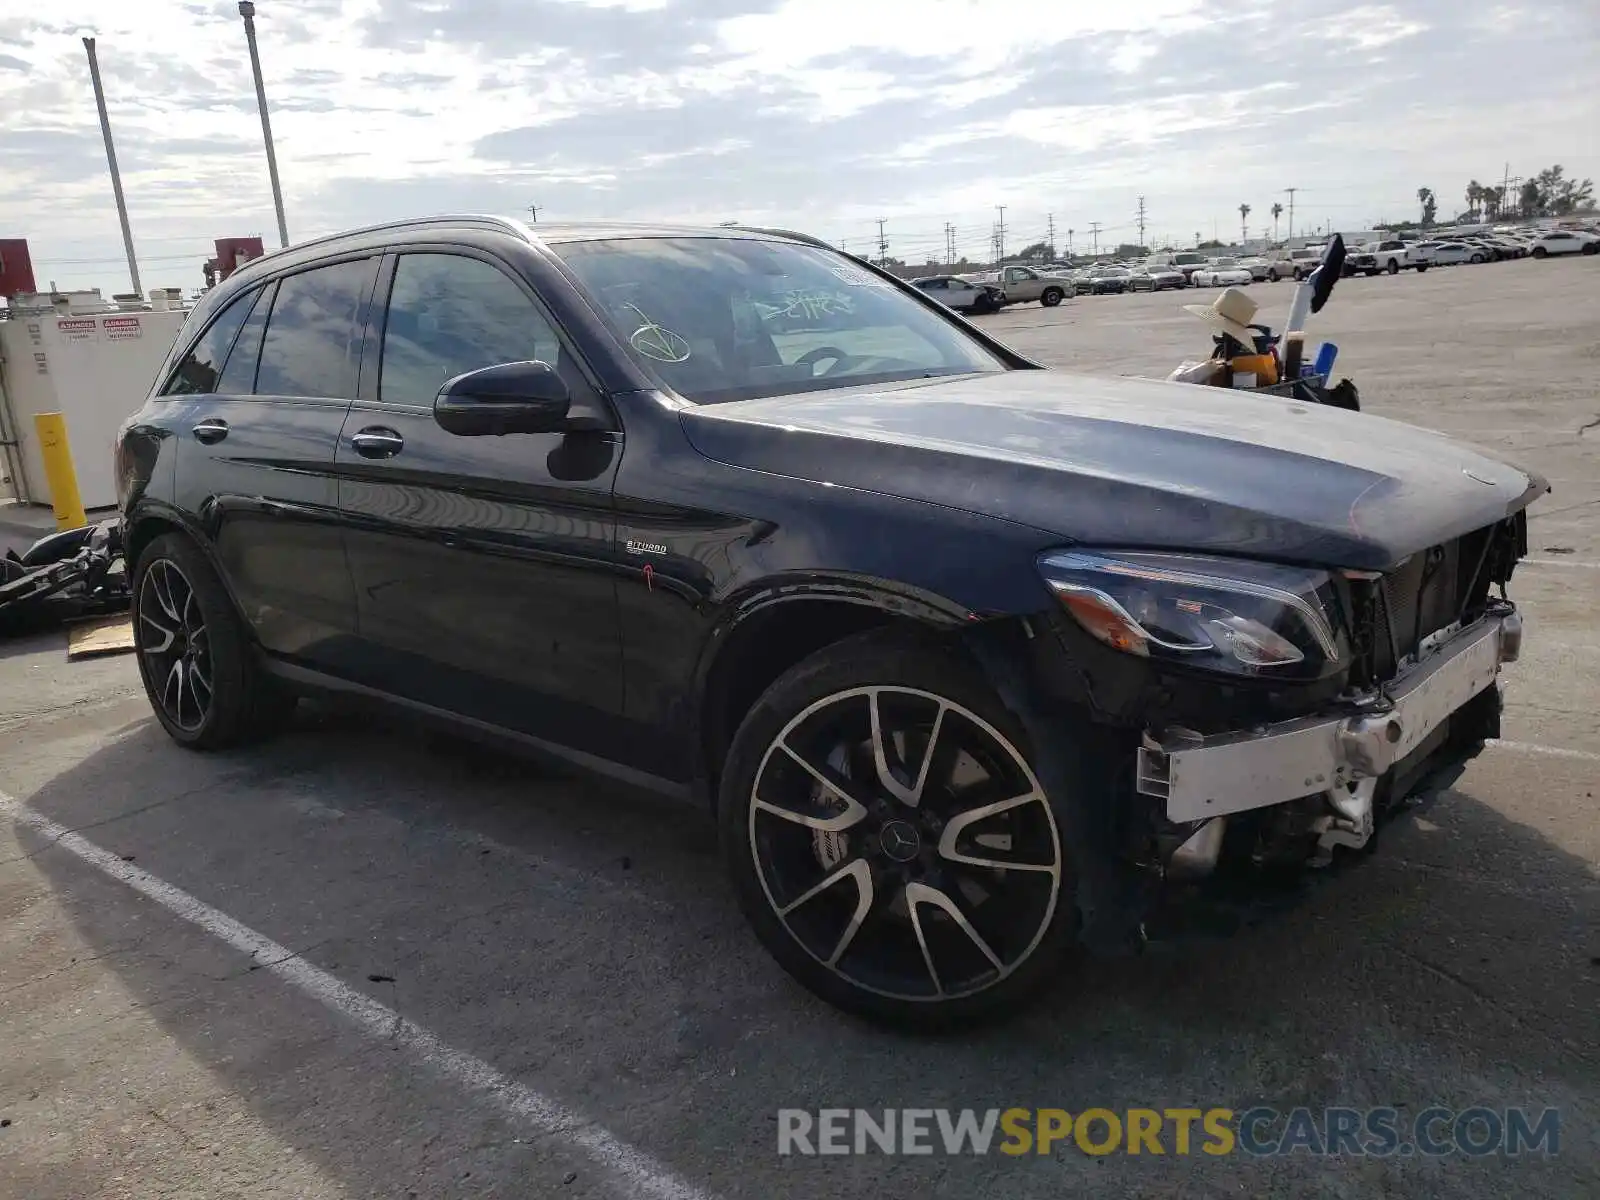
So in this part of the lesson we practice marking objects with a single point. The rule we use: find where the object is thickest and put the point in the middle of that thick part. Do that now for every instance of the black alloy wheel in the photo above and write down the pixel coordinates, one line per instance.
(175, 646)
(199, 667)
(1050, 297)
(891, 843)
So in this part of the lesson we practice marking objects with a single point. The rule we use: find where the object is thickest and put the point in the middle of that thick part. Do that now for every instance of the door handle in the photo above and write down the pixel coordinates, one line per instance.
(210, 431)
(377, 441)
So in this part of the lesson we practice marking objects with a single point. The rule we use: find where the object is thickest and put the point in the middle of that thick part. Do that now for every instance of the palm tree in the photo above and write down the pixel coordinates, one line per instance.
(1475, 194)
(1244, 231)
(1277, 211)
(1430, 206)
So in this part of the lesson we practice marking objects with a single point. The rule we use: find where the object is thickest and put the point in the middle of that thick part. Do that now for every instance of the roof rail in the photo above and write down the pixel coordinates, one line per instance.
(807, 238)
(509, 224)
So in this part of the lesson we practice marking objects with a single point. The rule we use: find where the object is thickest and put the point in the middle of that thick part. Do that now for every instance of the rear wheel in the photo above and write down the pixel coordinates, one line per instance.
(195, 658)
(1476, 258)
(889, 840)
(1421, 267)
(1540, 252)
(1591, 248)
(1050, 297)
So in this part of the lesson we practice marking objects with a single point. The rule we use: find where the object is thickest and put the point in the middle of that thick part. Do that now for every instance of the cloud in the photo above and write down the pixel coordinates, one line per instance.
(819, 114)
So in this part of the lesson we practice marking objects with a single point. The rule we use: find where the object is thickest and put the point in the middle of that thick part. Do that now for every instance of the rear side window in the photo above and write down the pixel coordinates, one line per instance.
(449, 314)
(201, 368)
(239, 376)
(313, 338)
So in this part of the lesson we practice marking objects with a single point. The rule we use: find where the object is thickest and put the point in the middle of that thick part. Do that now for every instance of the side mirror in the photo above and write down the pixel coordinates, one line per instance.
(518, 397)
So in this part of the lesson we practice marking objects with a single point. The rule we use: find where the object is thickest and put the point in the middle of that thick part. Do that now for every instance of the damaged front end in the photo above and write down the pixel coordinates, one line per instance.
(1269, 717)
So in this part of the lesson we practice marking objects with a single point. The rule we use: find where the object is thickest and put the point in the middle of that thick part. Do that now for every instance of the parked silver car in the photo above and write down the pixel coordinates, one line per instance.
(960, 295)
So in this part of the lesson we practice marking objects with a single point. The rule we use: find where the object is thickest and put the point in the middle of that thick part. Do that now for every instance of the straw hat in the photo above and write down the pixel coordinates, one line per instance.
(1230, 313)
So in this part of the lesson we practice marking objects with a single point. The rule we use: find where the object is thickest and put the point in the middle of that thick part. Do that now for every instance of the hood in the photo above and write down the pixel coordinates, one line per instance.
(1133, 463)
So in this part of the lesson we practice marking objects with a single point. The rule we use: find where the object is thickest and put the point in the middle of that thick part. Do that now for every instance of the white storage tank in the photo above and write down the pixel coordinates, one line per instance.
(94, 367)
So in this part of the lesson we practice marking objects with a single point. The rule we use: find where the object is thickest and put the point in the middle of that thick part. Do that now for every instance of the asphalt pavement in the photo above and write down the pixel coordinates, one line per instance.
(367, 960)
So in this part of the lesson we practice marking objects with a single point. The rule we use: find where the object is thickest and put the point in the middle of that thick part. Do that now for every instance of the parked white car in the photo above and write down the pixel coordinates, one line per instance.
(1565, 241)
(1222, 272)
(1260, 268)
(1450, 254)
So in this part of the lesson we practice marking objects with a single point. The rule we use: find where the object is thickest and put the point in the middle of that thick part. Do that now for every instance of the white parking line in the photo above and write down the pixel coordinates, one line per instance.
(1561, 562)
(1552, 751)
(632, 1171)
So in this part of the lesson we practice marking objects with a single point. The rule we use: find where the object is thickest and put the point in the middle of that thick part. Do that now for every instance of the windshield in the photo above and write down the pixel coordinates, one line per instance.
(1189, 260)
(1225, 262)
(721, 318)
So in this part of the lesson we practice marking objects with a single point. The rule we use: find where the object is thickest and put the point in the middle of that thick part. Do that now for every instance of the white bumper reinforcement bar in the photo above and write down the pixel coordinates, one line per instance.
(1213, 776)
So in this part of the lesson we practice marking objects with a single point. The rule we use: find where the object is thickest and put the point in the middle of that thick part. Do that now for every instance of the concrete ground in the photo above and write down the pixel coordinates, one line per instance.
(486, 980)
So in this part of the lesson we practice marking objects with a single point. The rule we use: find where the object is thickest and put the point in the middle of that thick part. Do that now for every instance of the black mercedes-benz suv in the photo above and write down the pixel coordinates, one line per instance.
(970, 658)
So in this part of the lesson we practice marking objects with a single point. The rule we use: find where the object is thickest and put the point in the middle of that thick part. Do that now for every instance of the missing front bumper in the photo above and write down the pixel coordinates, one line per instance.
(1200, 777)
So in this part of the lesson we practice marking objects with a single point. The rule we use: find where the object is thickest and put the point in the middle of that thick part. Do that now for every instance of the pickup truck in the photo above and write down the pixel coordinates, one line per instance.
(1391, 257)
(1024, 284)
(964, 659)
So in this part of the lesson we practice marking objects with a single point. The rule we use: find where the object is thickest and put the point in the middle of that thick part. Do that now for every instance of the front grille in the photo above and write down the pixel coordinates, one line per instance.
(1431, 590)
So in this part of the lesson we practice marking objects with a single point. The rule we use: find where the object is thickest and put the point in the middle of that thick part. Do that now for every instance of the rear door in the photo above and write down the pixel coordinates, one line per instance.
(484, 566)
(258, 456)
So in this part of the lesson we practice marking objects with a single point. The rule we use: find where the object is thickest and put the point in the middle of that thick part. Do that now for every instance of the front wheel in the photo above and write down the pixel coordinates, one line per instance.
(889, 840)
(1421, 267)
(1476, 258)
(195, 658)
(1540, 252)
(1050, 297)
(1591, 248)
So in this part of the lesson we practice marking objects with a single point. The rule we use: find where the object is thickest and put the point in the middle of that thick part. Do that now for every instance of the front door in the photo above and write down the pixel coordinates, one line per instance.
(260, 422)
(484, 566)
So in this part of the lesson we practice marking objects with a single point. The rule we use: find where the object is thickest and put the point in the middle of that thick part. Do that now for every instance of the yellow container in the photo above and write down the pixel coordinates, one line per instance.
(1262, 366)
(59, 471)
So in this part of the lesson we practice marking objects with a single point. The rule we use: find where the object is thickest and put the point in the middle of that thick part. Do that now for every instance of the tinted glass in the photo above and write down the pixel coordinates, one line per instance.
(313, 336)
(201, 368)
(239, 376)
(449, 315)
(722, 318)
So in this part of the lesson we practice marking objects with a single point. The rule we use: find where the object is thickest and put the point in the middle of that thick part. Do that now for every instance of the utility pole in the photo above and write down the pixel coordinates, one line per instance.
(111, 161)
(1141, 220)
(533, 212)
(1070, 232)
(1050, 237)
(247, 10)
(1000, 235)
(949, 243)
(883, 245)
(1291, 192)
(1094, 232)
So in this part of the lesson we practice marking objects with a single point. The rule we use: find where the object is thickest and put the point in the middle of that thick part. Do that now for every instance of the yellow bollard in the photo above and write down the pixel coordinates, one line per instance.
(58, 470)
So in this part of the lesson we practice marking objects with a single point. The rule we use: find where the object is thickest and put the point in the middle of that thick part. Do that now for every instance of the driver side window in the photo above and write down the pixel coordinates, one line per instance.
(449, 314)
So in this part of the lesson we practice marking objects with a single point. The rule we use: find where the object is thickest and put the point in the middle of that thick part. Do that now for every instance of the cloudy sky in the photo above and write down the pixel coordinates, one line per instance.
(818, 114)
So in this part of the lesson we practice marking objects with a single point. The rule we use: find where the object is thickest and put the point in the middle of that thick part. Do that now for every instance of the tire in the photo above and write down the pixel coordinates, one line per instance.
(195, 656)
(1421, 268)
(1476, 258)
(885, 879)
(1590, 248)
(1540, 252)
(1050, 297)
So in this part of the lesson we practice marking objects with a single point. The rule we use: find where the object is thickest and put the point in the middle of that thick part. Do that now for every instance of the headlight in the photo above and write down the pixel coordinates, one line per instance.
(1214, 614)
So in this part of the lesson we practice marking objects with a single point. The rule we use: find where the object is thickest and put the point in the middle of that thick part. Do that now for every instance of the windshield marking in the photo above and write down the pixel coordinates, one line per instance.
(657, 341)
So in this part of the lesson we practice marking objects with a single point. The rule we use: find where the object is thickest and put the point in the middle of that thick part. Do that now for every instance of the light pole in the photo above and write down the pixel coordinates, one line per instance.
(111, 161)
(247, 10)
